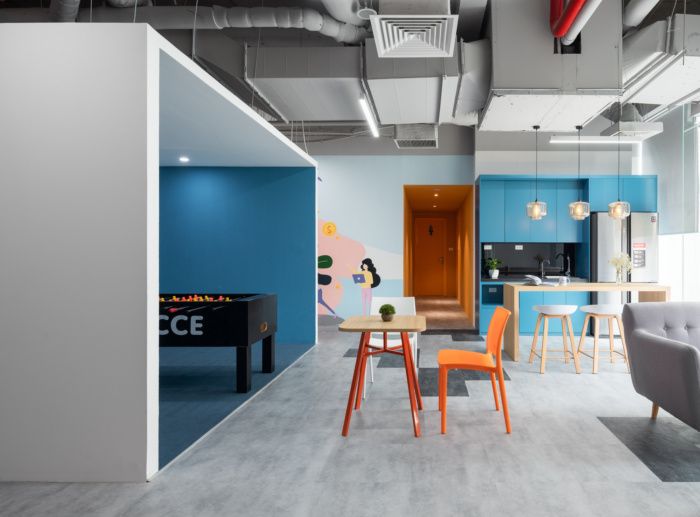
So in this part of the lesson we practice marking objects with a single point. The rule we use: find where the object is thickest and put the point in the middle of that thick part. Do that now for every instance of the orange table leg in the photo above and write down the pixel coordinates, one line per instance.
(416, 383)
(354, 385)
(363, 369)
(411, 382)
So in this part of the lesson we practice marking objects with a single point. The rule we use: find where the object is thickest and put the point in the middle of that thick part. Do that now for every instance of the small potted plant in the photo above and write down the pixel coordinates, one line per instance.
(492, 263)
(387, 311)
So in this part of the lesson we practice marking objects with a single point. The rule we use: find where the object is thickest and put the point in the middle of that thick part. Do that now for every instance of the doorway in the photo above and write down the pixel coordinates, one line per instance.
(439, 254)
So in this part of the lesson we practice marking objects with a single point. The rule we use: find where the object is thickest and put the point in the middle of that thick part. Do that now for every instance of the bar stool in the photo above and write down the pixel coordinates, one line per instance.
(562, 313)
(609, 312)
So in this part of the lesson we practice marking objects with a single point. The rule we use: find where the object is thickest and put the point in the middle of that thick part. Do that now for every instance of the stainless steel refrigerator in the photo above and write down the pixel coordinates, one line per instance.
(638, 236)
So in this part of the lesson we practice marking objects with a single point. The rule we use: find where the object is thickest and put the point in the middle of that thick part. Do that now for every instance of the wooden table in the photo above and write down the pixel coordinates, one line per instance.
(648, 292)
(366, 325)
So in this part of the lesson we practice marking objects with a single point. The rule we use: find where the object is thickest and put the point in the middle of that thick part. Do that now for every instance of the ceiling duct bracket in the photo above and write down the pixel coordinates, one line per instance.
(416, 136)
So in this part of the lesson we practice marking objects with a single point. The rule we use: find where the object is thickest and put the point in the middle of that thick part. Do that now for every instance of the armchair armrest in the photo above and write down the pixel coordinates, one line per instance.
(668, 373)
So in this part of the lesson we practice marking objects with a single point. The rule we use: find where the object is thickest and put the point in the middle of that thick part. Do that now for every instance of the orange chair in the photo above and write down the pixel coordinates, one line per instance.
(465, 360)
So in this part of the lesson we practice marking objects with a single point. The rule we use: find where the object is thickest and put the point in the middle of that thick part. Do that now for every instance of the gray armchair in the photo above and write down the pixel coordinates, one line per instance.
(663, 341)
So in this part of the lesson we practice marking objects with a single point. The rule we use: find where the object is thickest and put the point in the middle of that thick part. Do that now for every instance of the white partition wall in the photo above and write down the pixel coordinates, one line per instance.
(78, 253)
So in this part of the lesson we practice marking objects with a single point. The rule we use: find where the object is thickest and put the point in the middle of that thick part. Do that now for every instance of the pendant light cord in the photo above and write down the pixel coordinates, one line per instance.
(578, 176)
(618, 157)
(536, 128)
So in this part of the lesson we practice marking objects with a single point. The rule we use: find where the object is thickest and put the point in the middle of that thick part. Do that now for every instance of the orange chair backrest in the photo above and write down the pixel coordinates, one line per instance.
(494, 336)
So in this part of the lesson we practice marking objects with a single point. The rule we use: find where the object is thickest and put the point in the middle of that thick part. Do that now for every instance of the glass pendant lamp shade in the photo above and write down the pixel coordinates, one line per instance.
(619, 210)
(536, 210)
(579, 210)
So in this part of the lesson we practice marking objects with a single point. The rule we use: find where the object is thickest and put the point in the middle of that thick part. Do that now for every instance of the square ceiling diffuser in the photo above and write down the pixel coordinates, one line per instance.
(415, 36)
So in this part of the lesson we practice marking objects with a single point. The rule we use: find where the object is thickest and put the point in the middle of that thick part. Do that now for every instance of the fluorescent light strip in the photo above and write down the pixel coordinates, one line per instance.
(370, 118)
(594, 140)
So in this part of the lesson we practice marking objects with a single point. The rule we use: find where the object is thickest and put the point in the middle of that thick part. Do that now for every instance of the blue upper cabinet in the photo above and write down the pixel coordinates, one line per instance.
(601, 191)
(517, 223)
(491, 213)
(640, 193)
(568, 230)
(545, 229)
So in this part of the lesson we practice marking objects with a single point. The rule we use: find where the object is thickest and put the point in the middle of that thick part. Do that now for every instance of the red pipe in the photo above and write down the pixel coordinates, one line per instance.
(560, 19)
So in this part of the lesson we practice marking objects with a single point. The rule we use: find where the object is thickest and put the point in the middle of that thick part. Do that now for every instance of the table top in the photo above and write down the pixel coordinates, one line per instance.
(592, 286)
(375, 324)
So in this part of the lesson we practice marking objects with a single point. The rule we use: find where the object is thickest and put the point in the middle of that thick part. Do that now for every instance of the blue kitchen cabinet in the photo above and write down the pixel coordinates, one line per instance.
(579, 299)
(640, 193)
(601, 192)
(517, 223)
(528, 316)
(545, 229)
(568, 230)
(491, 213)
(485, 315)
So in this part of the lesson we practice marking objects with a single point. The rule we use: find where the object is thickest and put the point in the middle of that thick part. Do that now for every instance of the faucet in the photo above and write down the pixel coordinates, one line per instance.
(542, 266)
(568, 263)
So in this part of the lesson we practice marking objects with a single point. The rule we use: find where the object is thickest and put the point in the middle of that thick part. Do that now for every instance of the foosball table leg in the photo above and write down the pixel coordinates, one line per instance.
(268, 354)
(243, 368)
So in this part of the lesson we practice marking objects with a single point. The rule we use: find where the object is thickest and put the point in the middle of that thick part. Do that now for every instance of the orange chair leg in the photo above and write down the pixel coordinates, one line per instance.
(443, 399)
(495, 392)
(502, 385)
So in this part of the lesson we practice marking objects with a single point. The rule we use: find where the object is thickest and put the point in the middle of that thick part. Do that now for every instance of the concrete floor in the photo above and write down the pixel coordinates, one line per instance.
(282, 454)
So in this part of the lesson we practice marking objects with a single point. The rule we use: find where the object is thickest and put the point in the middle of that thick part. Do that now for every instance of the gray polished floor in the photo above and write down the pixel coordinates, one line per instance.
(282, 454)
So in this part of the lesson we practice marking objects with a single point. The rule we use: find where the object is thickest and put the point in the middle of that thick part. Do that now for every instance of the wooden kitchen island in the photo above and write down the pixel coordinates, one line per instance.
(648, 292)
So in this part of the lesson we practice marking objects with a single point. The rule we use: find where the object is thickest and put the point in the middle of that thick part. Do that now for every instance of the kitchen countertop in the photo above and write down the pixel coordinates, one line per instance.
(520, 279)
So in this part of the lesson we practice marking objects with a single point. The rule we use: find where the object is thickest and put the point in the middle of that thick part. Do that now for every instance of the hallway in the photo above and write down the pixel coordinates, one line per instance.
(443, 313)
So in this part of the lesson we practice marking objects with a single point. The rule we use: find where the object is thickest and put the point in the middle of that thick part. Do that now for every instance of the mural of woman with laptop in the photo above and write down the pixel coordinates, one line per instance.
(367, 279)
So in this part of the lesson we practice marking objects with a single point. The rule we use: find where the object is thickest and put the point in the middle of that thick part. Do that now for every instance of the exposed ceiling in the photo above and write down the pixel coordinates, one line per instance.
(212, 127)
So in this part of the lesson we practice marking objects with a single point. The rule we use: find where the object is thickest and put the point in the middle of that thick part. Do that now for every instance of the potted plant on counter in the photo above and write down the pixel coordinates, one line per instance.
(492, 263)
(387, 311)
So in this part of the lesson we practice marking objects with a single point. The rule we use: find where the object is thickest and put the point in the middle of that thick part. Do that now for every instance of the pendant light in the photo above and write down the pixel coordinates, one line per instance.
(579, 210)
(536, 209)
(619, 209)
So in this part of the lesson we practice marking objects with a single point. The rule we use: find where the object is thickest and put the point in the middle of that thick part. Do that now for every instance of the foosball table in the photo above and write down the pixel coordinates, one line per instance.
(218, 320)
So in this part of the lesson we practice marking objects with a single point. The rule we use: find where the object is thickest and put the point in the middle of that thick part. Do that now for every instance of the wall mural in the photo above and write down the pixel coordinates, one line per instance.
(339, 258)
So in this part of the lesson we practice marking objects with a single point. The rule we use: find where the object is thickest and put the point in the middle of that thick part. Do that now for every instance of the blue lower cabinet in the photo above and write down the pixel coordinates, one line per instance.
(528, 316)
(485, 315)
(580, 299)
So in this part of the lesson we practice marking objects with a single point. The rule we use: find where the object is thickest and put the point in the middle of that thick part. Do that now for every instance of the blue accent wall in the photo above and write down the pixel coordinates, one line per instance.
(243, 230)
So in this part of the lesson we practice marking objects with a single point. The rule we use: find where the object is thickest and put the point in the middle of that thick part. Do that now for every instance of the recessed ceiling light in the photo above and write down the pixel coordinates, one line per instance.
(436, 194)
(434, 206)
(184, 159)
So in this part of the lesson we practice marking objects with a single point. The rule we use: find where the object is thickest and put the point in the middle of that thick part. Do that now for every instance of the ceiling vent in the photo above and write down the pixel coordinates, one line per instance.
(407, 29)
(416, 136)
(639, 130)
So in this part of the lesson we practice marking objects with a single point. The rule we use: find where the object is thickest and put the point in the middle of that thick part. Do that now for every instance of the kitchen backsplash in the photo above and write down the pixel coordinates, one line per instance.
(523, 259)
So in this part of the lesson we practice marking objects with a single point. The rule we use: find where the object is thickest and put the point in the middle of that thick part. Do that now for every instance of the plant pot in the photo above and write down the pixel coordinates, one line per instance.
(493, 273)
(387, 317)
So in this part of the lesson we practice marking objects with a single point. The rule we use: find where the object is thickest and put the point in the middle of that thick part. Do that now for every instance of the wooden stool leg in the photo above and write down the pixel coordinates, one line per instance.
(583, 333)
(493, 386)
(624, 342)
(611, 331)
(544, 344)
(596, 334)
(563, 339)
(573, 350)
(534, 339)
